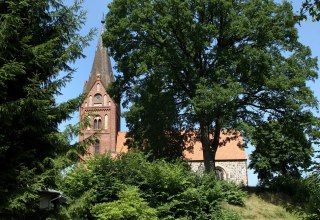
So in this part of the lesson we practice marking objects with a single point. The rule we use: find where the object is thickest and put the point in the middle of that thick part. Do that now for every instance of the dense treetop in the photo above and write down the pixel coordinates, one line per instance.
(216, 64)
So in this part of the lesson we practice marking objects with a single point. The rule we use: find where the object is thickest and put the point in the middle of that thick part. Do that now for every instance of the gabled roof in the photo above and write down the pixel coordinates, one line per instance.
(231, 150)
(101, 67)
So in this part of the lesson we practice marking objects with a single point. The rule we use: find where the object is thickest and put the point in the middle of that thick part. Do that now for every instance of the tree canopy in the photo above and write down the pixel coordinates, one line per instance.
(227, 64)
(282, 149)
(153, 121)
(310, 7)
(38, 39)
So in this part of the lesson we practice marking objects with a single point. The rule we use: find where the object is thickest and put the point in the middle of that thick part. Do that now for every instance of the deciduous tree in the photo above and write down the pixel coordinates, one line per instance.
(153, 121)
(282, 148)
(228, 64)
(312, 8)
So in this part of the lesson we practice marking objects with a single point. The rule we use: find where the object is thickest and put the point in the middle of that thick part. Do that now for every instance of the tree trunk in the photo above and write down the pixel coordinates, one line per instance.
(209, 150)
(215, 143)
(207, 153)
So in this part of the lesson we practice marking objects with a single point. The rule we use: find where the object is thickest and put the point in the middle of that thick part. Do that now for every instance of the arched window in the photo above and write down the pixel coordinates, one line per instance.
(85, 104)
(109, 103)
(106, 122)
(105, 100)
(90, 101)
(98, 87)
(97, 123)
(220, 173)
(97, 147)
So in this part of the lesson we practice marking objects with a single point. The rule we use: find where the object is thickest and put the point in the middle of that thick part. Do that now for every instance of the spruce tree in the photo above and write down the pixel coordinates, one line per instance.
(38, 40)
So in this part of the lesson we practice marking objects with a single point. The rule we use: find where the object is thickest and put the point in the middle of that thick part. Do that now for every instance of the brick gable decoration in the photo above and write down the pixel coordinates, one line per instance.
(104, 114)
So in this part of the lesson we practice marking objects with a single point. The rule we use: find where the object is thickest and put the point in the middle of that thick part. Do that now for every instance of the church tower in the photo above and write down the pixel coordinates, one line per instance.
(103, 112)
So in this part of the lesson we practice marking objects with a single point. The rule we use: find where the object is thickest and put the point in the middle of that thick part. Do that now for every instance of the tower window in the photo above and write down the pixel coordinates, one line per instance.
(97, 123)
(97, 147)
(98, 87)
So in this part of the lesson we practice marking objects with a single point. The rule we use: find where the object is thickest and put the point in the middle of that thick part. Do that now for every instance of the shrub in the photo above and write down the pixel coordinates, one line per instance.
(130, 205)
(122, 188)
(304, 192)
(232, 193)
(202, 200)
(290, 186)
(312, 183)
(162, 180)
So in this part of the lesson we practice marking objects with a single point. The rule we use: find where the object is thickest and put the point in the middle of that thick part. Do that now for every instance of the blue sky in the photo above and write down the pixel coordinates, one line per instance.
(309, 33)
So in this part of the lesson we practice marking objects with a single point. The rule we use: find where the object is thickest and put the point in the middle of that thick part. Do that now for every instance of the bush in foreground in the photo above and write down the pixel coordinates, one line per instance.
(130, 205)
(131, 187)
(304, 192)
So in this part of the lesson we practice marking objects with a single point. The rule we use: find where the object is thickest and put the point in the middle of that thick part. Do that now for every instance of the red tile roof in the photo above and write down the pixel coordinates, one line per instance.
(231, 149)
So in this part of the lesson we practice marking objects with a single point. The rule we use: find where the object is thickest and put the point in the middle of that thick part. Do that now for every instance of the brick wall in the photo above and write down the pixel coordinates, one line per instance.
(100, 108)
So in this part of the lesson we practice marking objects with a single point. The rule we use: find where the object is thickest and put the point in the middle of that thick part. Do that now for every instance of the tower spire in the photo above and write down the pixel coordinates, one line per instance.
(102, 110)
(101, 68)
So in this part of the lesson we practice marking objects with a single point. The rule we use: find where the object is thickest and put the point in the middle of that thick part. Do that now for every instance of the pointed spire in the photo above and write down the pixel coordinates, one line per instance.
(101, 68)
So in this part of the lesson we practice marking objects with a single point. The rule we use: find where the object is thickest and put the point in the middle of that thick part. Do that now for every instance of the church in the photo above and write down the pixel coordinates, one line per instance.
(104, 116)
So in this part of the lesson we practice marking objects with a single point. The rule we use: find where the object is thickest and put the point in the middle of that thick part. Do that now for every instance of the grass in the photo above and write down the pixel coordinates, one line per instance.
(260, 206)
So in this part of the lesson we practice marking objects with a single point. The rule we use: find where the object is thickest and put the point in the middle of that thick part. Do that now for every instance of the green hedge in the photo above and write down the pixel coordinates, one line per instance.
(105, 188)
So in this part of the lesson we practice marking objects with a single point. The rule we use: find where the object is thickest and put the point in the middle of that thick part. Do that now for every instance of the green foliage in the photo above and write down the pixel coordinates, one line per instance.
(310, 7)
(169, 190)
(203, 200)
(151, 128)
(304, 192)
(163, 180)
(38, 39)
(232, 193)
(216, 64)
(282, 148)
(130, 205)
(312, 184)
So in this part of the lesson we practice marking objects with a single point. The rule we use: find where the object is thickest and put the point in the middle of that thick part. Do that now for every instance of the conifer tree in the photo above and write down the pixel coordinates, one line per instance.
(38, 40)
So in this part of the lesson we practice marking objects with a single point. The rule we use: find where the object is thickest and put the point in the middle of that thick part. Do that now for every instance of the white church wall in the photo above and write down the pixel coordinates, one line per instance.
(233, 171)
